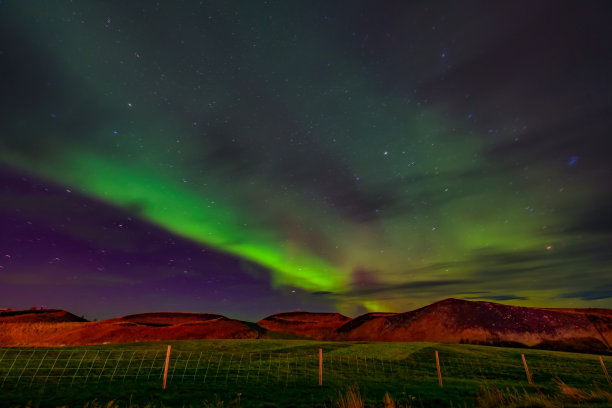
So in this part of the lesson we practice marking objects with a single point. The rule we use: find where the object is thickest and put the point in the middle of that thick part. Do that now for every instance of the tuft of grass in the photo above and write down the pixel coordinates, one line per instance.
(570, 393)
(352, 398)
(567, 396)
(116, 404)
(496, 398)
(388, 402)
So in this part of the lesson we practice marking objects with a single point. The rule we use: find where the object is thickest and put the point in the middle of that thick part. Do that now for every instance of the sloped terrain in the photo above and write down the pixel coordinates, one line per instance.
(165, 319)
(132, 328)
(461, 321)
(38, 316)
(319, 326)
(449, 320)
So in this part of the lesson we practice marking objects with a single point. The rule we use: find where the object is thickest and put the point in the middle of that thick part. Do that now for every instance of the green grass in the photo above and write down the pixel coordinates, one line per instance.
(284, 373)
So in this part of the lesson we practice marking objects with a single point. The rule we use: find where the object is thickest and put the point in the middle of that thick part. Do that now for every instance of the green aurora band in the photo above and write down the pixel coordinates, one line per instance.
(232, 136)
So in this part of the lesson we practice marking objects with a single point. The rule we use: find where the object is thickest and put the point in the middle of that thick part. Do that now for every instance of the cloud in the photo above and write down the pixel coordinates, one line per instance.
(404, 287)
(497, 297)
(604, 292)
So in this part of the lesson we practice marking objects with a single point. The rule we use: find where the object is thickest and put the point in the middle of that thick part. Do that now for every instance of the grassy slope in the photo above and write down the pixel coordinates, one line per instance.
(284, 373)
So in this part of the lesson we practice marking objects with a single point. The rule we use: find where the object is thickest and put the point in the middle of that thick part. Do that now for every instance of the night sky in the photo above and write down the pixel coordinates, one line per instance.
(252, 157)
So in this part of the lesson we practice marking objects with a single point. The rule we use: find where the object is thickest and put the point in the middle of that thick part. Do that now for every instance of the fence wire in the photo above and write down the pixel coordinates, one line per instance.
(69, 367)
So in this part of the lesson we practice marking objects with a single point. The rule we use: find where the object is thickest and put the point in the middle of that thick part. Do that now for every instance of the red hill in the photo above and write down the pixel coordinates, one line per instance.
(164, 319)
(318, 326)
(455, 321)
(450, 320)
(38, 315)
(132, 328)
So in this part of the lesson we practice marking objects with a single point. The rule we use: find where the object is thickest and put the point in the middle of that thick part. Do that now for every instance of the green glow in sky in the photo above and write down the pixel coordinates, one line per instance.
(338, 164)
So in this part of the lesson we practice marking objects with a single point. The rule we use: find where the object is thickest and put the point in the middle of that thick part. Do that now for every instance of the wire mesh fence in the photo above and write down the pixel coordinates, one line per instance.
(28, 366)
(69, 367)
(19, 367)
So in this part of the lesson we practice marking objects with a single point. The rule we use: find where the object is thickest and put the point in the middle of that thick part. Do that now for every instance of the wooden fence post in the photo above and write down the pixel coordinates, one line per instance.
(605, 370)
(166, 368)
(439, 372)
(320, 367)
(527, 370)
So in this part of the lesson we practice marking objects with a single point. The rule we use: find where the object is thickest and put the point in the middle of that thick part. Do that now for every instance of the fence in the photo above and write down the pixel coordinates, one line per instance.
(29, 366)
(67, 367)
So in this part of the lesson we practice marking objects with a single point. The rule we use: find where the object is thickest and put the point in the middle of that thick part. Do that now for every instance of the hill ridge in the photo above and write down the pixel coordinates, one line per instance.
(450, 320)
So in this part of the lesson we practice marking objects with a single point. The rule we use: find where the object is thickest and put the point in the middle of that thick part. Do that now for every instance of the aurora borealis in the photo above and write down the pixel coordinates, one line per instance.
(247, 158)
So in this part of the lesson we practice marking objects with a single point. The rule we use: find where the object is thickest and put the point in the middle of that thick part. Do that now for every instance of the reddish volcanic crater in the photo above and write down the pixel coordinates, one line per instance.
(319, 326)
(164, 319)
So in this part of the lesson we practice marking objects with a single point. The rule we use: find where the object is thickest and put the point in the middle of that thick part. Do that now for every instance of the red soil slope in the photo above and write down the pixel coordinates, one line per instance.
(30, 316)
(162, 319)
(133, 328)
(317, 326)
(456, 321)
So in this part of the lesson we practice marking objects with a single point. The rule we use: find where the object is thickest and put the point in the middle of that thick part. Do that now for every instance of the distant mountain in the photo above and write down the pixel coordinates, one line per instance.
(449, 320)
(319, 326)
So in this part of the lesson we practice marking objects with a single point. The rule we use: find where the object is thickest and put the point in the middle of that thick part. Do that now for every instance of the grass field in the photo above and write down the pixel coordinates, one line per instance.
(284, 373)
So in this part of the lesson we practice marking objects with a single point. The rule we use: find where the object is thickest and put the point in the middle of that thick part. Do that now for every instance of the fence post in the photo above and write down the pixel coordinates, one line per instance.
(320, 367)
(605, 370)
(527, 370)
(439, 372)
(166, 367)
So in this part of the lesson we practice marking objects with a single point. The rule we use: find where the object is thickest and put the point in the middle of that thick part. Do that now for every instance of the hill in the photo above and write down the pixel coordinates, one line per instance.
(38, 316)
(448, 321)
(132, 328)
(461, 321)
(319, 326)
